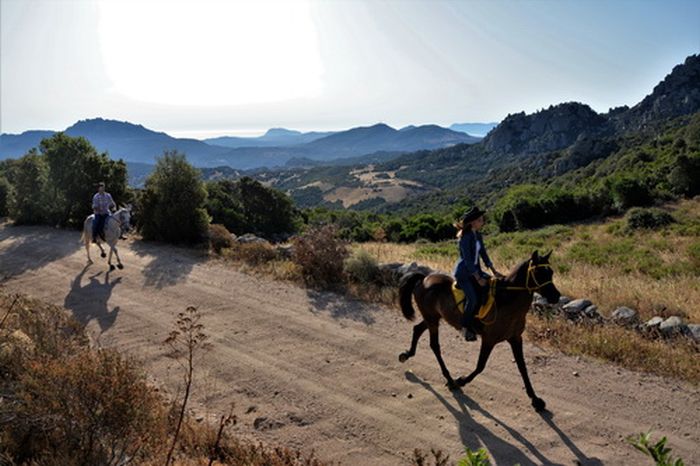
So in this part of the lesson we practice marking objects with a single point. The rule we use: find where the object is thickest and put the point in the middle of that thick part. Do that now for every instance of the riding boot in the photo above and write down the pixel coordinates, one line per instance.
(467, 321)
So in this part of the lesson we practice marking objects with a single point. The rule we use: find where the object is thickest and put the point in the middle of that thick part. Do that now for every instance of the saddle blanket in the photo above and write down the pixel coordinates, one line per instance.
(485, 308)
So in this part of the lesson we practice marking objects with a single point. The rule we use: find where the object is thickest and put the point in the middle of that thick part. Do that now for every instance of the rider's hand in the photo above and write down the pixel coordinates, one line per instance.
(482, 282)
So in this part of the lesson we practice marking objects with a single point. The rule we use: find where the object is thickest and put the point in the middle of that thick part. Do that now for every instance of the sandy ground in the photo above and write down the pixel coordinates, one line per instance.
(317, 372)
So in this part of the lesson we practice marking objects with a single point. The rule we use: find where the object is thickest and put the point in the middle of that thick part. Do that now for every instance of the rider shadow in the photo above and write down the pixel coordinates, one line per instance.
(36, 243)
(91, 301)
(165, 269)
(474, 435)
(341, 308)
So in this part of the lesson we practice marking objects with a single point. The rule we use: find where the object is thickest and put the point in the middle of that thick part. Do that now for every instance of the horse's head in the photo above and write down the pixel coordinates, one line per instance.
(540, 276)
(124, 217)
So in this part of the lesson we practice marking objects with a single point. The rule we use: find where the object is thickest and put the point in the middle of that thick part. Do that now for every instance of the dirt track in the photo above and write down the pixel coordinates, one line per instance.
(314, 371)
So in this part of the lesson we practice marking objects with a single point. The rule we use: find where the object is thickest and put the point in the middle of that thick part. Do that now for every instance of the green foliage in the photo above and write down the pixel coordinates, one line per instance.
(173, 201)
(630, 190)
(247, 206)
(475, 458)
(30, 204)
(320, 252)
(75, 168)
(658, 451)
(5, 195)
(685, 175)
(361, 267)
(639, 218)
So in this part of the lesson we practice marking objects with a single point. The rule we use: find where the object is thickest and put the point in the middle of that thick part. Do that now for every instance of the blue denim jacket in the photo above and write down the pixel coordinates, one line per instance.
(467, 263)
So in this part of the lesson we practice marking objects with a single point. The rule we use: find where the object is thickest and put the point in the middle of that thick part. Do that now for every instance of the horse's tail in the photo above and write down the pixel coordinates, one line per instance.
(406, 286)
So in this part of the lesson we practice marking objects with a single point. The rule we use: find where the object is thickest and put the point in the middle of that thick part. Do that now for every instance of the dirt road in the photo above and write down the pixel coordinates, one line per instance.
(314, 371)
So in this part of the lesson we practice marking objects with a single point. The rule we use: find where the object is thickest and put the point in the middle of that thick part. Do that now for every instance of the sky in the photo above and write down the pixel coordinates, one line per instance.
(207, 68)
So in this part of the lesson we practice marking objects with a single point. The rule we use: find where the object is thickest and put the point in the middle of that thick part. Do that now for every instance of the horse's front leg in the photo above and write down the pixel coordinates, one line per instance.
(102, 251)
(484, 353)
(516, 344)
(109, 259)
(116, 253)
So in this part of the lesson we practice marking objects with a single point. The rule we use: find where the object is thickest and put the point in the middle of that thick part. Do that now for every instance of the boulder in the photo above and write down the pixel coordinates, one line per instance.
(250, 238)
(591, 313)
(573, 310)
(285, 251)
(694, 331)
(673, 326)
(624, 316)
(653, 323)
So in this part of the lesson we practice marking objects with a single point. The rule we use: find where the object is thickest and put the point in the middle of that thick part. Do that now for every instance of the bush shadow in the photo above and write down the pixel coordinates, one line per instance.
(340, 307)
(169, 266)
(33, 247)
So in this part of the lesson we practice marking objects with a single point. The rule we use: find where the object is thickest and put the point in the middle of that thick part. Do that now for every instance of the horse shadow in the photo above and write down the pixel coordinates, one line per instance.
(341, 308)
(31, 249)
(474, 435)
(168, 267)
(90, 301)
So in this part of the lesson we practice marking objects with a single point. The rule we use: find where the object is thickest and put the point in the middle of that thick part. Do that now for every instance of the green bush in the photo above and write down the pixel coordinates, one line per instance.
(320, 252)
(640, 218)
(361, 267)
(5, 195)
(219, 238)
(29, 204)
(172, 203)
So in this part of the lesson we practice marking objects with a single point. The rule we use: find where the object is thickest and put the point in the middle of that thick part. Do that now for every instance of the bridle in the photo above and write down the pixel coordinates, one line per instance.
(531, 274)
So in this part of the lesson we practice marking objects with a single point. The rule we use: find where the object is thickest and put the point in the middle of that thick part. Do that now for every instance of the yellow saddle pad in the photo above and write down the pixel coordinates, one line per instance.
(485, 308)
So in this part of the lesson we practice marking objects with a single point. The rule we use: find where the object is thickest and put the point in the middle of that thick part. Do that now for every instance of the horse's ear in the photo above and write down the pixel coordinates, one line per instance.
(535, 256)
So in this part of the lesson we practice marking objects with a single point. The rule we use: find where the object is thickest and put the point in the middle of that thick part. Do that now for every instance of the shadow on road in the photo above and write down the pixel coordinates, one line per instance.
(340, 307)
(90, 301)
(28, 248)
(474, 435)
(169, 265)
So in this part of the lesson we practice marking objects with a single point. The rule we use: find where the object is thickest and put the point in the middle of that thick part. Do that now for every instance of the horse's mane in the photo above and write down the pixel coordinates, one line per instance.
(514, 273)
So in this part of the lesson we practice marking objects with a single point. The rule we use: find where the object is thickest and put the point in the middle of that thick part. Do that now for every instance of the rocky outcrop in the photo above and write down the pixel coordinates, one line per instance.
(555, 128)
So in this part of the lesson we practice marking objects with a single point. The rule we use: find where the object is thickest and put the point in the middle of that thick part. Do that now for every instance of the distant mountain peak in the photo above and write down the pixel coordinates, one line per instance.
(277, 132)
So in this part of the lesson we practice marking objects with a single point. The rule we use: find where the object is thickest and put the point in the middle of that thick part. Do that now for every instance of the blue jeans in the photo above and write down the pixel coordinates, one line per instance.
(473, 292)
(98, 225)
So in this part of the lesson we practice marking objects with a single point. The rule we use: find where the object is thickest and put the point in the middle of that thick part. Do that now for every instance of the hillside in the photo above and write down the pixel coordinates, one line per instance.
(562, 142)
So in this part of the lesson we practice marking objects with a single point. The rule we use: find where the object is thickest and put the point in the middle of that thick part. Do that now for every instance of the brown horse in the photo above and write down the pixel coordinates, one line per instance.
(505, 322)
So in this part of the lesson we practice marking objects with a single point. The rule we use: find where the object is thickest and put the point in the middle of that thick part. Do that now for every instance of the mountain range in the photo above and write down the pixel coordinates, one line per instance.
(136, 144)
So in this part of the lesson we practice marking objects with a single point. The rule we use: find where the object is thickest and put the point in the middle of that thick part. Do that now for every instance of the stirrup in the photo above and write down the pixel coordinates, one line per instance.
(468, 334)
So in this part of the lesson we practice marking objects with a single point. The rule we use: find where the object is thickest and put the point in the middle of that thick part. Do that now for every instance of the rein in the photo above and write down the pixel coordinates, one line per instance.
(530, 273)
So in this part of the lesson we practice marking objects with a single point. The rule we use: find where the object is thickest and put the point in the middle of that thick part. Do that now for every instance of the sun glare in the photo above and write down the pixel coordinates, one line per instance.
(210, 52)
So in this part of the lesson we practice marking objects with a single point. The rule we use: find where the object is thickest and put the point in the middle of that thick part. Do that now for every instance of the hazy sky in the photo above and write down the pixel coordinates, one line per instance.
(204, 68)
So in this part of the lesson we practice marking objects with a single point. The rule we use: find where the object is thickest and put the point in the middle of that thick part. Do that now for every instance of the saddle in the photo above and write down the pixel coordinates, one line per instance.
(460, 298)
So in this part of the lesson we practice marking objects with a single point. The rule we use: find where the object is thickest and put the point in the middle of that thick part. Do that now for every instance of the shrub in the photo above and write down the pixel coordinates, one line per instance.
(5, 191)
(172, 204)
(91, 408)
(253, 253)
(320, 252)
(361, 267)
(638, 218)
(29, 205)
(219, 238)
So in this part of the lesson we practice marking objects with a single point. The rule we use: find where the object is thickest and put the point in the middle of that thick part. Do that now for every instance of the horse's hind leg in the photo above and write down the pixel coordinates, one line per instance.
(435, 346)
(102, 251)
(109, 259)
(484, 354)
(87, 249)
(418, 330)
(516, 344)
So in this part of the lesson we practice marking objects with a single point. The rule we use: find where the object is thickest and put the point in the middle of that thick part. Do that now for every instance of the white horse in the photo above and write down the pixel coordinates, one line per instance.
(115, 225)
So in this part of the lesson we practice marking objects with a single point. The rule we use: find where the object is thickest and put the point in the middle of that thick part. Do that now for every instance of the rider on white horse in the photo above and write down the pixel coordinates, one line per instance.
(101, 204)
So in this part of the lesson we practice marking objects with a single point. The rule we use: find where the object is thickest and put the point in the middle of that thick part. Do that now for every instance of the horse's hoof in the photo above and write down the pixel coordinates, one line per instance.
(104, 254)
(111, 267)
(119, 266)
(461, 382)
(538, 404)
(403, 357)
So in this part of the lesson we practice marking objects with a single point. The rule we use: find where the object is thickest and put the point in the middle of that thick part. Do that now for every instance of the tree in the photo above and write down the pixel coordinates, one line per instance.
(5, 194)
(29, 204)
(75, 168)
(173, 201)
